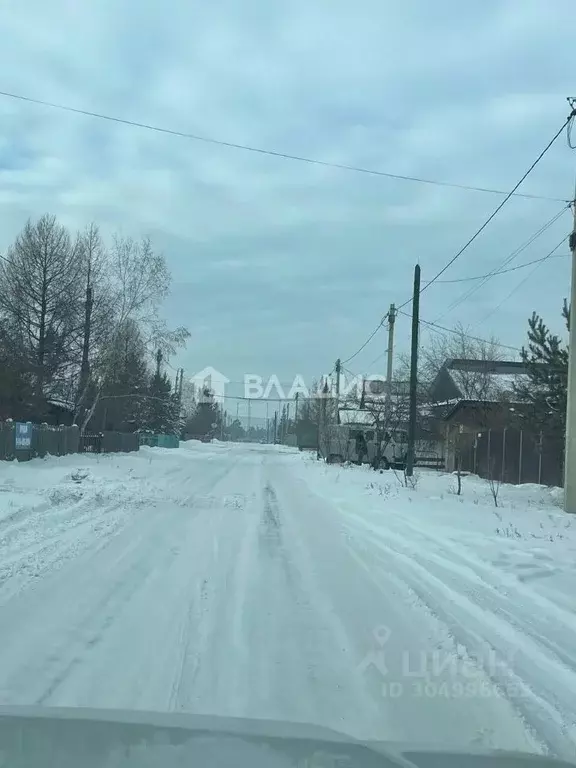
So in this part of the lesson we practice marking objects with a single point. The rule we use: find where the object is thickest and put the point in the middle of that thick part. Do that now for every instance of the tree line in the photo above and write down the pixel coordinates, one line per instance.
(81, 331)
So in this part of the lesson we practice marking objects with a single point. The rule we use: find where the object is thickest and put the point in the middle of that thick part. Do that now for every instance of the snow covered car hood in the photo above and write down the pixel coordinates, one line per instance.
(37, 737)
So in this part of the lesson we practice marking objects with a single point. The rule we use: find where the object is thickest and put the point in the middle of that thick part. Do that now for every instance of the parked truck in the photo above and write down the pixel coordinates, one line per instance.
(385, 449)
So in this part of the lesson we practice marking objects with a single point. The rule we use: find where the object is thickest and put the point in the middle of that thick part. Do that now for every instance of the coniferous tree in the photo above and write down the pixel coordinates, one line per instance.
(126, 387)
(206, 419)
(546, 386)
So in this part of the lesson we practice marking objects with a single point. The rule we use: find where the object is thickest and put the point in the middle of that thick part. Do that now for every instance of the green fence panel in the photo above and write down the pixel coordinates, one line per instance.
(168, 441)
(159, 441)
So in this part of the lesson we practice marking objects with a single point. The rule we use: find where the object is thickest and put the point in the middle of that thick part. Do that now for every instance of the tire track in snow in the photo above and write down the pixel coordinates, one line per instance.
(54, 539)
(87, 611)
(547, 710)
(309, 667)
(194, 627)
(502, 592)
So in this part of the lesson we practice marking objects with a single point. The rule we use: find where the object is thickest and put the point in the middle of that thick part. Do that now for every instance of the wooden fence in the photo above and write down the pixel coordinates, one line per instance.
(25, 441)
(512, 456)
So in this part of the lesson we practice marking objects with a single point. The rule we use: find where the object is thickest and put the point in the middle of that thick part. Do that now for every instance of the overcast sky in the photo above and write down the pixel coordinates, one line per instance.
(279, 266)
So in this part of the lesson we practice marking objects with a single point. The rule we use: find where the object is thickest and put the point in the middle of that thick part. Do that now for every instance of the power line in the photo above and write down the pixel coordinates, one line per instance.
(256, 399)
(505, 271)
(368, 340)
(498, 207)
(274, 153)
(460, 333)
(467, 294)
(521, 283)
(484, 278)
(378, 358)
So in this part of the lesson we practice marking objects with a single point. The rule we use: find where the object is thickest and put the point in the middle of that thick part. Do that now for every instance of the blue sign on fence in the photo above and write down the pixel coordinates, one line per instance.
(23, 436)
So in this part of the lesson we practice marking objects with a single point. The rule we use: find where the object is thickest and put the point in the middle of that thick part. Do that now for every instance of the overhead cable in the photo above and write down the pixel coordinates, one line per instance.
(270, 152)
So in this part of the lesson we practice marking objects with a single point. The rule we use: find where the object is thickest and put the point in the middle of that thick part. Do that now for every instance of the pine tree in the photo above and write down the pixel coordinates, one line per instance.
(206, 419)
(125, 390)
(160, 405)
(235, 430)
(163, 405)
(545, 390)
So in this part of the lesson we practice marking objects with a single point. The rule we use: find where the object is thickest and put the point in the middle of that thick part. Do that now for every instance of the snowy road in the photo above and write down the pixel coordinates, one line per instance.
(228, 580)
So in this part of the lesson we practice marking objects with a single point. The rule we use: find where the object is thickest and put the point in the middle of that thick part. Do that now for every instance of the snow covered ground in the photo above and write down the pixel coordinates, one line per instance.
(254, 581)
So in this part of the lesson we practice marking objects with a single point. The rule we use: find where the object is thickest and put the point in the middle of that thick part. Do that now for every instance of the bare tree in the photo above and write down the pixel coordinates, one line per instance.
(141, 278)
(139, 282)
(437, 349)
(97, 311)
(39, 301)
(458, 472)
(494, 483)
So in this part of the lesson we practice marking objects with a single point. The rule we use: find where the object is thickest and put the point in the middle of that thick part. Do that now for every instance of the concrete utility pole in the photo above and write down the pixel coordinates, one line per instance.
(338, 372)
(570, 449)
(391, 322)
(413, 374)
(322, 418)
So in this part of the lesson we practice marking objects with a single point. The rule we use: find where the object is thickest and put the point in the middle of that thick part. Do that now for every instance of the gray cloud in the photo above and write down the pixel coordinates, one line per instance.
(280, 265)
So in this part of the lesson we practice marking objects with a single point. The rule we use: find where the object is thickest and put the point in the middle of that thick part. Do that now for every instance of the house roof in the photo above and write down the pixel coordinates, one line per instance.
(488, 380)
(464, 404)
(486, 366)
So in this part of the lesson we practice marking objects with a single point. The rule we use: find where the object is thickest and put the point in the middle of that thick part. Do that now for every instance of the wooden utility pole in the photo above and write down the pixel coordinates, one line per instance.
(390, 361)
(338, 372)
(85, 364)
(275, 426)
(570, 448)
(413, 374)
